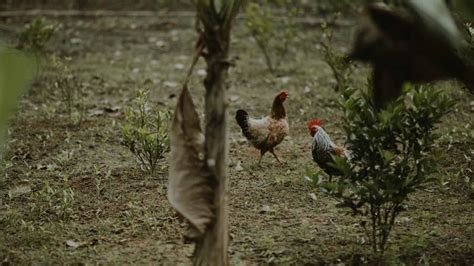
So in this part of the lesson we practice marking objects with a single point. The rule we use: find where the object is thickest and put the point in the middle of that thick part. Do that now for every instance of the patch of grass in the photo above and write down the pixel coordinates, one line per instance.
(457, 163)
(56, 201)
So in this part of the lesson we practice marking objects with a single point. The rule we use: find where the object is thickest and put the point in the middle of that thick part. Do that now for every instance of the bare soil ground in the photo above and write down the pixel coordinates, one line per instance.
(119, 214)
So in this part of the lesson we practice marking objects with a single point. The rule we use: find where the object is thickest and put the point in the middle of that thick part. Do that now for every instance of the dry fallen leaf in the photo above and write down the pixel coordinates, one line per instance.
(190, 189)
(160, 44)
(73, 244)
(170, 84)
(179, 66)
(242, 141)
(96, 112)
(265, 208)
(19, 190)
(239, 167)
(234, 98)
(201, 72)
(285, 80)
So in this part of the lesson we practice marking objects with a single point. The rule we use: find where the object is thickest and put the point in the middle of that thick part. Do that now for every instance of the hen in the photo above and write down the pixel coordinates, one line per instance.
(266, 133)
(323, 148)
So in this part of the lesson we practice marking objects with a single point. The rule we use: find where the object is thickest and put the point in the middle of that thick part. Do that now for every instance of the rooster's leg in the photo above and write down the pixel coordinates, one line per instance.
(276, 157)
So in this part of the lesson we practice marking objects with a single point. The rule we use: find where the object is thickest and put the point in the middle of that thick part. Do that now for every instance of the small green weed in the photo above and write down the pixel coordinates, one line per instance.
(145, 132)
(100, 177)
(70, 89)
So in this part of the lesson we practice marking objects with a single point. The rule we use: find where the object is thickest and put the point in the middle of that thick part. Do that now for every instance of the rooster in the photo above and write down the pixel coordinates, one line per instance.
(266, 133)
(323, 148)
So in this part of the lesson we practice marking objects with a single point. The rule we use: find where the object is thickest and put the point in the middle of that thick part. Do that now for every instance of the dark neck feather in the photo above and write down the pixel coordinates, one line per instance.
(278, 110)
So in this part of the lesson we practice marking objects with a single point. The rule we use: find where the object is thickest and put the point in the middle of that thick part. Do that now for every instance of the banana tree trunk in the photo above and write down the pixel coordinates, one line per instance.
(212, 248)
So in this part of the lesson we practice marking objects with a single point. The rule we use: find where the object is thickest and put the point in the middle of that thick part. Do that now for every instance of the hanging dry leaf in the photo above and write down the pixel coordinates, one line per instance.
(190, 189)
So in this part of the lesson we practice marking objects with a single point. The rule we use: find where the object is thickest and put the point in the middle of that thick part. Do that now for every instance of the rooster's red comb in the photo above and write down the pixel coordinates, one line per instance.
(315, 122)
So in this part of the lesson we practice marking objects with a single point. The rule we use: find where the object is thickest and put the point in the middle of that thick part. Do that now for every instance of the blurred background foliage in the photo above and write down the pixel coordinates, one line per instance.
(94, 4)
(307, 5)
(464, 7)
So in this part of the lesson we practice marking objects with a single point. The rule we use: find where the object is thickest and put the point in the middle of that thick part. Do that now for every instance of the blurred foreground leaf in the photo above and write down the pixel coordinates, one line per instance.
(437, 17)
(16, 70)
(465, 8)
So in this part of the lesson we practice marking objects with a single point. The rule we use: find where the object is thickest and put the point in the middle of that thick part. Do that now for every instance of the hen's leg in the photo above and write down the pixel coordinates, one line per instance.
(261, 155)
(276, 157)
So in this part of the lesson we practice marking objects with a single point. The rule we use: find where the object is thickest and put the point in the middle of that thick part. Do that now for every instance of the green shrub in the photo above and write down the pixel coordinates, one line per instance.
(336, 60)
(36, 35)
(394, 152)
(273, 37)
(145, 132)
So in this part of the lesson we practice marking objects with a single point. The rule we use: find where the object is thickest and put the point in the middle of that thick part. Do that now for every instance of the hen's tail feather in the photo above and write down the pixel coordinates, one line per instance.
(242, 118)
